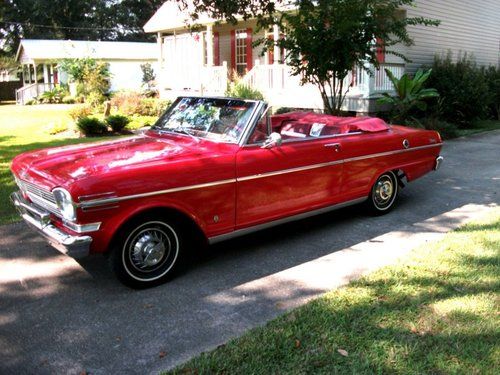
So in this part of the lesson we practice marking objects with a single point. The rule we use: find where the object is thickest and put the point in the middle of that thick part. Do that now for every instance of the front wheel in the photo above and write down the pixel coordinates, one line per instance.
(147, 252)
(383, 194)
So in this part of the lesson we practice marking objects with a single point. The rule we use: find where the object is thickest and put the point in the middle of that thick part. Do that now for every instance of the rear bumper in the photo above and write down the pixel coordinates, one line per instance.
(439, 161)
(38, 219)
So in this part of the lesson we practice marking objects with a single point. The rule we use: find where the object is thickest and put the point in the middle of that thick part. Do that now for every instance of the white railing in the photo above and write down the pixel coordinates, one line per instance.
(31, 91)
(214, 79)
(277, 84)
(201, 80)
(382, 83)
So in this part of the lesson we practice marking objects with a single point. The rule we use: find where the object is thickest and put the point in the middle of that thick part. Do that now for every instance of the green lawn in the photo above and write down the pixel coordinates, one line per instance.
(24, 128)
(479, 127)
(435, 312)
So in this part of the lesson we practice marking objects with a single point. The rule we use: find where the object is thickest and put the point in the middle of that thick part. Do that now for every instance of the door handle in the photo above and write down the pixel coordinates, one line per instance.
(335, 146)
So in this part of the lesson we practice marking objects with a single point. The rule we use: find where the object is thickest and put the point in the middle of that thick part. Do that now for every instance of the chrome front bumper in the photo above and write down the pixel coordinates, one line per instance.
(39, 219)
(439, 161)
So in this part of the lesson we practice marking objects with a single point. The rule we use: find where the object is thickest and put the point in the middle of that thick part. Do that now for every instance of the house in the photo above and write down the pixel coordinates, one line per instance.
(40, 71)
(200, 62)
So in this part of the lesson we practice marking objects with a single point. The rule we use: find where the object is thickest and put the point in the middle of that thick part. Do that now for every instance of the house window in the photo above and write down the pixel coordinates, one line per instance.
(241, 51)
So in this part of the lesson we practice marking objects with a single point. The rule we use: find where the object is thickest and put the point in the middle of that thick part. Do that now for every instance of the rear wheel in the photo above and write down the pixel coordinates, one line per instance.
(148, 251)
(383, 194)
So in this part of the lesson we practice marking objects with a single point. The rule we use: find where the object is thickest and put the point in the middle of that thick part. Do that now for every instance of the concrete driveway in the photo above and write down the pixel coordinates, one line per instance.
(60, 316)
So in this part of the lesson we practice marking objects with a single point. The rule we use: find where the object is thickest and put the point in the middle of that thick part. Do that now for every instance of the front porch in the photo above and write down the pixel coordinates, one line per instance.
(37, 77)
(203, 63)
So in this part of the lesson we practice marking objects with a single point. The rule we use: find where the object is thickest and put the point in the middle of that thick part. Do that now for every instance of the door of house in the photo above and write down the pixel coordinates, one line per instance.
(241, 51)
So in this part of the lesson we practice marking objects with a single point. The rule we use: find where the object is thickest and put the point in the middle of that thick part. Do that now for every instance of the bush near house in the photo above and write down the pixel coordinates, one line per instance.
(238, 89)
(117, 122)
(80, 111)
(91, 126)
(133, 103)
(463, 89)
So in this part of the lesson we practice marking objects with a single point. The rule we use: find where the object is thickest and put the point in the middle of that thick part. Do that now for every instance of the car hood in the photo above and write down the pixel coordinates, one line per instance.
(61, 166)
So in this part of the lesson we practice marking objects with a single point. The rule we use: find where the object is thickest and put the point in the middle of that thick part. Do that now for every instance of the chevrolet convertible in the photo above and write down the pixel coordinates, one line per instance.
(211, 169)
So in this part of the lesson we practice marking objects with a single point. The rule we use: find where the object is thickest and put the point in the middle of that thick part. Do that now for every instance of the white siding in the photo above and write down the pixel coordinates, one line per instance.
(126, 75)
(466, 26)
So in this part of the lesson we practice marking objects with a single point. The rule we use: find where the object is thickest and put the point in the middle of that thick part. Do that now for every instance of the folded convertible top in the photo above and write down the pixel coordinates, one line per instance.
(344, 124)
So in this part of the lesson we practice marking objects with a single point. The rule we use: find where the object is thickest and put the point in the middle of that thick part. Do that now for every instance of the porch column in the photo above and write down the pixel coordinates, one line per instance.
(210, 45)
(276, 50)
(160, 46)
(36, 79)
(46, 74)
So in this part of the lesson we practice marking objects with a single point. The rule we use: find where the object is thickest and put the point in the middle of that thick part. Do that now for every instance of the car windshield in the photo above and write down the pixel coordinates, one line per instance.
(211, 118)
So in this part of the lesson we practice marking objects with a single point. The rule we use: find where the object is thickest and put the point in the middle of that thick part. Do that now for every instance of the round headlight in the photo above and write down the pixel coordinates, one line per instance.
(65, 203)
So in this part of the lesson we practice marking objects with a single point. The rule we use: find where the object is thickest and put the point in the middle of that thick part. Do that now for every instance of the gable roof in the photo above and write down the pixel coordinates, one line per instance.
(44, 49)
(170, 17)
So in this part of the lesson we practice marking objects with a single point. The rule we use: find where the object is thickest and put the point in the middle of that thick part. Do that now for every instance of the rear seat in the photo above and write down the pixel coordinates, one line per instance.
(294, 129)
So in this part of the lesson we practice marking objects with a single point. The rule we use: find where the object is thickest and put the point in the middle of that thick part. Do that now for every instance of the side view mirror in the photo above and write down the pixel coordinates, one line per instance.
(274, 140)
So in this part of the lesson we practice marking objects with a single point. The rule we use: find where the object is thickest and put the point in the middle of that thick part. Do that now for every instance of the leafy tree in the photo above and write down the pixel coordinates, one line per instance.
(92, 77)
(410, 94)
(326, 39)
(74, 19)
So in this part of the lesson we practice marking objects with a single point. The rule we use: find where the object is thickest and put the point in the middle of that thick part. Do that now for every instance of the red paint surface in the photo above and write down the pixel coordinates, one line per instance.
(153, 162)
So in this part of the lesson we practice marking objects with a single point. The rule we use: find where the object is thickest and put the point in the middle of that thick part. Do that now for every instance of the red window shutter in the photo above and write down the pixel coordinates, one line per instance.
(270, 52)
(216, 49)
(233, 49)
(249, 49)
(380, 51)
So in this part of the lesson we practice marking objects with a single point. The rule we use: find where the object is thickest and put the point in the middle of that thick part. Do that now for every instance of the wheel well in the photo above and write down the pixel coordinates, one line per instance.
(401, 176)
(191, 226)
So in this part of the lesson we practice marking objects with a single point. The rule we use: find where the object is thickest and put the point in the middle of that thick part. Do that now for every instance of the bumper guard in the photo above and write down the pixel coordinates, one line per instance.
(39, 219)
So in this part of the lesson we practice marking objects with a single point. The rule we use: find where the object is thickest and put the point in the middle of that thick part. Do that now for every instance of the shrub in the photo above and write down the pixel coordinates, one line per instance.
(80, 111)
(95, 99)
(410, 95)
(117, 122)
(126, 102)
(57, 127)
(238, 89)
(446, 129)
(152, 107)
(132, 103)
(137, 122)
(462, 87)
(31, 102)
(91, 126)
(492, 77)
(68, 100)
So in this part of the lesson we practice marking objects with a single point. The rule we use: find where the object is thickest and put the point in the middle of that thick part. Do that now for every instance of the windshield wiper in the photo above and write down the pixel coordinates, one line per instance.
(182, 130)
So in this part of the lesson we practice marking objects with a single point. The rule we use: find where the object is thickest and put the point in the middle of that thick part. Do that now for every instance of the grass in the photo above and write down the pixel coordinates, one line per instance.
(24, 128)
(479, 127)
(435, 312)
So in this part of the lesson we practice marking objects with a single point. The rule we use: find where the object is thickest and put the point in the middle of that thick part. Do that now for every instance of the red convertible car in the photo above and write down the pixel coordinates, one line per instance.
(211, 168)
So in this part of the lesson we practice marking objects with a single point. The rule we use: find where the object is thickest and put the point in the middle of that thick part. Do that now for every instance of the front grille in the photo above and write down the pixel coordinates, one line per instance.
(41, 197)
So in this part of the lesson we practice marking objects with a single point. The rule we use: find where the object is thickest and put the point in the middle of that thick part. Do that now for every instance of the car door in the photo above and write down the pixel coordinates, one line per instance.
(298, 176)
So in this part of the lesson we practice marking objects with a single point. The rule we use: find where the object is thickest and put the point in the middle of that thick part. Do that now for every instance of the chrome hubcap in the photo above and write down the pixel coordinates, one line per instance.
(383, 191)
(149, 248)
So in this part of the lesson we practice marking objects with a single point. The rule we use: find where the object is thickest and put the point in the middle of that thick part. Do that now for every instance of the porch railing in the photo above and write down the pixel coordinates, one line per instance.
(278, 85)
(198, 80)
(214, 79)
(31, 91)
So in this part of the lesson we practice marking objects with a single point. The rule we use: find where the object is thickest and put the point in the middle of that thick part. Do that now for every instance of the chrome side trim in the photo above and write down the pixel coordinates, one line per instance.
(255, 228)
(100, 202)
(291, 170)
(105, 201)
(391, 152)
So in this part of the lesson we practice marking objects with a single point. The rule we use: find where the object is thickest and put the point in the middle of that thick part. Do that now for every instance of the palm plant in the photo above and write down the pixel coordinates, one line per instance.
(410, 94)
